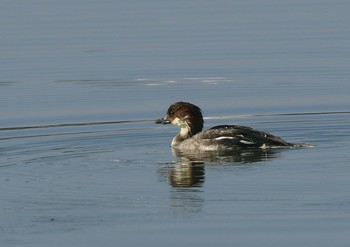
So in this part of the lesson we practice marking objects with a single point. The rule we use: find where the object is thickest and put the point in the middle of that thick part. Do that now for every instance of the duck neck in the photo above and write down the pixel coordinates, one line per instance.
(180, 137)
(186, 131)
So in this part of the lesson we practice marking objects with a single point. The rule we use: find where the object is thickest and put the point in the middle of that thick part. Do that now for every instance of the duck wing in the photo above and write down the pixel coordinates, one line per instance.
(243, 136)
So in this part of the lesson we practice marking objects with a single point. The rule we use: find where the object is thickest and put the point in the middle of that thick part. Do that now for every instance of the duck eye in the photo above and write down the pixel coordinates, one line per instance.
(171, 112)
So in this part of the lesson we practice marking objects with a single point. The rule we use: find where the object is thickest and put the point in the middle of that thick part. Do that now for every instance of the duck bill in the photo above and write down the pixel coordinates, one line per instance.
(162, 121)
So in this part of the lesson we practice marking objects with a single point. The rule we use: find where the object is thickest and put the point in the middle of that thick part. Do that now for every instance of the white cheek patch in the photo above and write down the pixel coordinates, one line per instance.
(176, 122)
(181, 122)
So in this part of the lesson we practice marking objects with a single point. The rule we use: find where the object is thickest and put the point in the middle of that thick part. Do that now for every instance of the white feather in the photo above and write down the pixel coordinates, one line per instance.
(247, 142)
(224, 137)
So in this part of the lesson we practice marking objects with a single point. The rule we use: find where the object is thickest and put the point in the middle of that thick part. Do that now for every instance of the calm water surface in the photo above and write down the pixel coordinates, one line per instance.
(82, 162)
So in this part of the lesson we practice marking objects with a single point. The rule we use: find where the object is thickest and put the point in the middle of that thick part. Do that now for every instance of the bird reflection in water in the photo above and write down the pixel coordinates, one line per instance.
(187, 174)
(189, 169)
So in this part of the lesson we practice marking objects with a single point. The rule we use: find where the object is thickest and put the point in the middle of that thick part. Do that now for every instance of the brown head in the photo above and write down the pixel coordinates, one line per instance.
(186, 116)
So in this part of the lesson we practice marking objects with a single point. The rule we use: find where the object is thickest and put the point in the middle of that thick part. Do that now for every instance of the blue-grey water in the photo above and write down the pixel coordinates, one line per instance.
(83, 164)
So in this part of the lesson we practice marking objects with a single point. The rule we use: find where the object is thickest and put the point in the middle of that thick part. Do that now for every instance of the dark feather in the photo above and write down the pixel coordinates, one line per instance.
(244, 136)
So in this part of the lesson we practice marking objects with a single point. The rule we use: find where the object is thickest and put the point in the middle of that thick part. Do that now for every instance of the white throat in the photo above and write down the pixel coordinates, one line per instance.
(184, 133)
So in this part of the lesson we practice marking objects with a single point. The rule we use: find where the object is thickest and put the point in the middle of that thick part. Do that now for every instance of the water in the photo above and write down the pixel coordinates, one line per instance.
(82, 162)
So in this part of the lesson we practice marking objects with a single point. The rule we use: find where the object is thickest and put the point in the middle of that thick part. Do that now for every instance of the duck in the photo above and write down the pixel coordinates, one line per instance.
(191, 136)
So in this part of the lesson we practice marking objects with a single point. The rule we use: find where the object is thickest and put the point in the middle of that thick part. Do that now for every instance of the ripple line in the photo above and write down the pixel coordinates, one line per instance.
(72, 124)
(152, 120)
(281, 114)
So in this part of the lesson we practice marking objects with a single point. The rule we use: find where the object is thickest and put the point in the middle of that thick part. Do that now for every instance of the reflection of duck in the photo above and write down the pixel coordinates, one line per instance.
(248, 155)
(189, 169)
(219, 138)
(187, 173)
